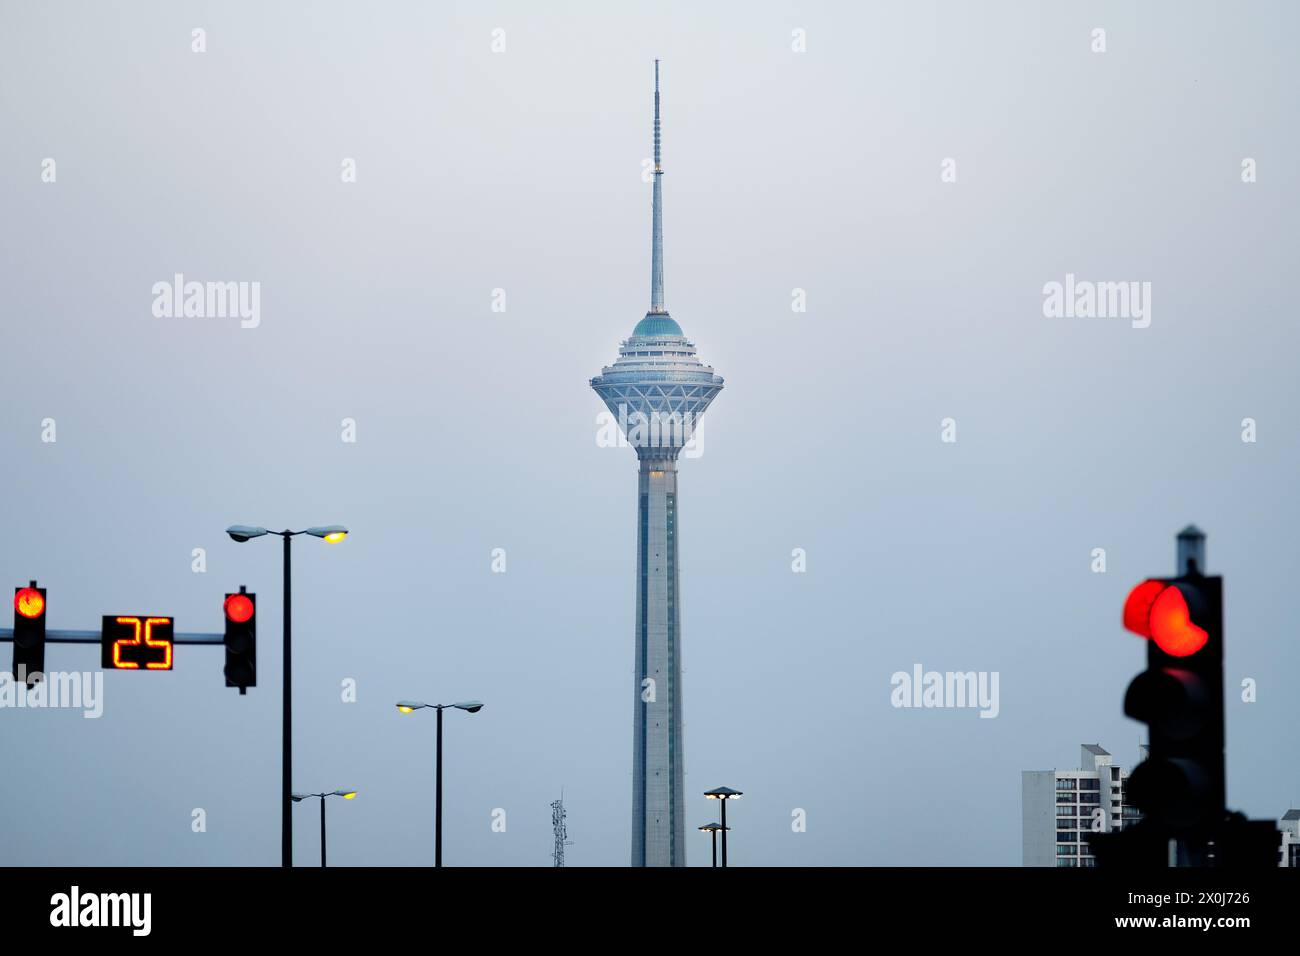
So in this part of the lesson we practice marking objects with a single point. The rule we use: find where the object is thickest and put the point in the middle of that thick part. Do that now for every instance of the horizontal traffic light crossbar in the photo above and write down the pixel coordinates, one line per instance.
(93, 637)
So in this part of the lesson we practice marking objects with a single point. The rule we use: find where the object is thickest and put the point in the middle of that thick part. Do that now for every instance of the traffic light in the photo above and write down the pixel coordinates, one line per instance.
(1180, 786)
(241, 640)
(29, 633)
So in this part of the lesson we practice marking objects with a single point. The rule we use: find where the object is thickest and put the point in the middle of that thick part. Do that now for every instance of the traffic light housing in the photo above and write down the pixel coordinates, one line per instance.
(1180, 786)
(240, 612)
(29, 633)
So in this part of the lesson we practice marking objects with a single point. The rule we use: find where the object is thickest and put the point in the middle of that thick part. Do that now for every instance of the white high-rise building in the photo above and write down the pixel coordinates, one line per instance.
(1060, 807)
(1290, 827)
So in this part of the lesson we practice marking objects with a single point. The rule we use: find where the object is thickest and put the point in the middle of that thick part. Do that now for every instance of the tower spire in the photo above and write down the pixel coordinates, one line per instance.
(657, 240)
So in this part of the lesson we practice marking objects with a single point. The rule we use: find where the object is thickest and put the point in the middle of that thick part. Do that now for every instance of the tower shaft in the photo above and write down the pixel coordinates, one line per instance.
(658, 790)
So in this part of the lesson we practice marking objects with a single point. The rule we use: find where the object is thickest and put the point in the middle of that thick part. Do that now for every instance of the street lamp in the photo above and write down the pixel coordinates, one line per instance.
(410, 707)
(299, 797)
(333, 534)
(713, 828)
(724, 794)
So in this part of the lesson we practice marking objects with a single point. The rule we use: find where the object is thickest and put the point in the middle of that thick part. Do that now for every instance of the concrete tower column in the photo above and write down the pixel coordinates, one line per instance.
(658, 788)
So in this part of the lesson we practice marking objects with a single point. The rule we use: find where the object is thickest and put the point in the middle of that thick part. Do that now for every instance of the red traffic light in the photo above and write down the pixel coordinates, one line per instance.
(239, 608)
(1172, 627)
(1160, 611)
(1137, 607)
(241, 639)
(29, 602)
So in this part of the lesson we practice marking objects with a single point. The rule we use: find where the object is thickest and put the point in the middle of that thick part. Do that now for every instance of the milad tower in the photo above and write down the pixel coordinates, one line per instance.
(658, 390)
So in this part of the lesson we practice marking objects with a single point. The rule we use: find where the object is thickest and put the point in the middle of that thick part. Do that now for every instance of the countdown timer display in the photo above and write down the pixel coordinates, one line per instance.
(136, 642)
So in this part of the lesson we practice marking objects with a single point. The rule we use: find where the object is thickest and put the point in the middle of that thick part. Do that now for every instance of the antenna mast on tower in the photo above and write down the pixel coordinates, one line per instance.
(561, 831)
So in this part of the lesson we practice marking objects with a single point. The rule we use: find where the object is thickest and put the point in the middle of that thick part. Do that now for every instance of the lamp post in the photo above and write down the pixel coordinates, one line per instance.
(299, 797)
(333, 534)
(724, 794)
(410, 706)
(713, 828)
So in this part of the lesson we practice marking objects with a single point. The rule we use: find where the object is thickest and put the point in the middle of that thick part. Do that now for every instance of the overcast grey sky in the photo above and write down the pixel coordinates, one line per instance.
(521, 170)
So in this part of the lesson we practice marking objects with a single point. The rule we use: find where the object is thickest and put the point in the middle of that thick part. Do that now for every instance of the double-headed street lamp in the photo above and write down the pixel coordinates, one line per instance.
(299, 797)
(713, 828)
(333, 533)
(724, 794)
(410, 706)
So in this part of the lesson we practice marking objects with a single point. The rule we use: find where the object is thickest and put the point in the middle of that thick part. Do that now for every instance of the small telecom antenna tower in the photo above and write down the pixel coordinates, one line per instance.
(561, 831)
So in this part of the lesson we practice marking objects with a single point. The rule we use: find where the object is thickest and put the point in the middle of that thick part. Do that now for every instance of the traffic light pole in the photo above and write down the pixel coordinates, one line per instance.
(1191, 551)
(286, 816)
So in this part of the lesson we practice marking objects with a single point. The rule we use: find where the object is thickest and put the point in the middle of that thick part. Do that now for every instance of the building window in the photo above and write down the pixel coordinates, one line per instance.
(1067, 837)
(1114, 773)
(1064, 783)
(1089, 784)
(1065, 798)
(1067, 851)
(1090, 798)
(1065, 811)
(1087, 861)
